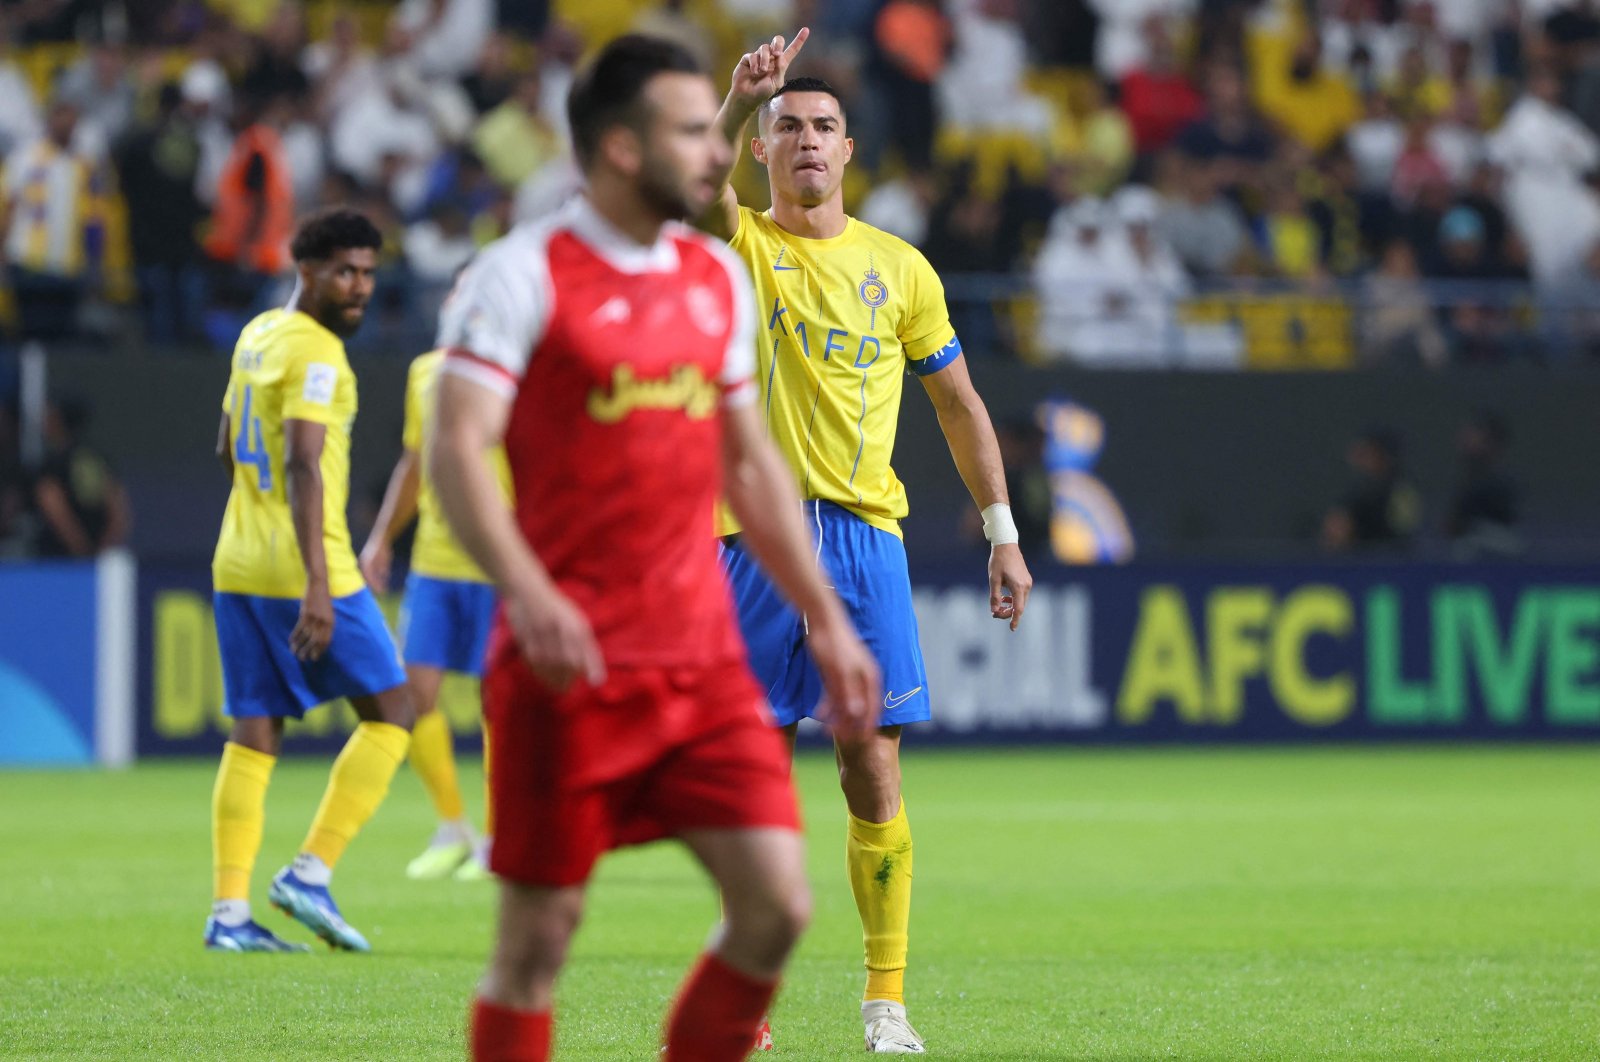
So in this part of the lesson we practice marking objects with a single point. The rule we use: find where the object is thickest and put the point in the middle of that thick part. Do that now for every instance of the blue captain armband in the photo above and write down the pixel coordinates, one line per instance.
(942, 358)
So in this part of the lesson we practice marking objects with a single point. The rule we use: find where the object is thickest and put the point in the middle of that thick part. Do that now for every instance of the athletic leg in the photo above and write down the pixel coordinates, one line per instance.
(511, 1017)
(766, 905)
(878, 854)
(433, 759)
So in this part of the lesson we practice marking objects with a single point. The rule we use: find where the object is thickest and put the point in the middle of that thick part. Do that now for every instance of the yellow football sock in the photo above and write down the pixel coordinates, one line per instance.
(359, 781)
(238, 812)
(435, 763)
(879, 857)
(488, 794)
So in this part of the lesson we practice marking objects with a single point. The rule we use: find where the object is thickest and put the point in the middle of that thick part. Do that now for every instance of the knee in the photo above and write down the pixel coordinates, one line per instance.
(531, 951)
(778, 923)
(399, 710)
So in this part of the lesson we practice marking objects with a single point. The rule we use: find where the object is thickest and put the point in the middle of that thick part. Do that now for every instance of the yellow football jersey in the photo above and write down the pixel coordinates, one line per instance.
(286, 367)
(839, 323)
(436, 553)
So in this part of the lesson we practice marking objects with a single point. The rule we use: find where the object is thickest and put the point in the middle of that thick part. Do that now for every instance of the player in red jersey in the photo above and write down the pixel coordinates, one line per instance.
(609, 349)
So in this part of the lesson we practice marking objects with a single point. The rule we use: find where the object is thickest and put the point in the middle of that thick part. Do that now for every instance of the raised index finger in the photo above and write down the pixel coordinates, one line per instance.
(795, 45)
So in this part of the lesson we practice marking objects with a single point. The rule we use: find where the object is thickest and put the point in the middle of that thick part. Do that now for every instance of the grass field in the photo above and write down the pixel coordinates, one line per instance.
(1194, 904)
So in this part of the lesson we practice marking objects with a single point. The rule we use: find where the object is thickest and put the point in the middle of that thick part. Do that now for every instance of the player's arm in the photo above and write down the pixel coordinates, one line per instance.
(552, 632)
(51, 499)
(399, 508)
(756, 77)
(967, 429)
(302, 485)
(762, 493)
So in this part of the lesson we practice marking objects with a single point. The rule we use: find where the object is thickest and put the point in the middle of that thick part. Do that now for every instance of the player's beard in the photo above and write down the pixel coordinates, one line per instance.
(668, 198)
(333, 317)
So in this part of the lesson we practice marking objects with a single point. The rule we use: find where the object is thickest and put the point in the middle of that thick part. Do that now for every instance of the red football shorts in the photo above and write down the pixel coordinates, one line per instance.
(651, 753)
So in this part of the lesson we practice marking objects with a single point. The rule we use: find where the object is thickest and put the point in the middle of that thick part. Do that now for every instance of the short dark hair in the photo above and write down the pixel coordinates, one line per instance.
(331, 230)
(809, 84)
(609, 90)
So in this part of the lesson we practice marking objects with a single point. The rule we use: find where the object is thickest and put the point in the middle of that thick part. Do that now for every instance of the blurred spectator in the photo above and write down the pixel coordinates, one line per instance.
(1381, 511)
(82, 509)
(1482, 523)
(901, 207)
(1309, 102)
(1418, 166)
(1123, 43)
(668, 20)
(1399, 326)
(158, 164)
(19, 111)
(492, 79)
(1416, 90)
(1098, 147)
(46, 193)
(912, 40)
(440, 244)
(449, 35)
(1456, 140)
(386, 133)
(1353, 223)
(1229, 133)
(1108, 285)
(1201, 225)
(1546, 154)
(982, 87)
(963, 237)
(1376, 143)
(1069, 279)
(275, 68)
(1481, 325)
(1155, 280)
(514, 140)
(99, 86)
(1290, 238)
(52, 21)
(206, 97)
(1156, 95)
(341, 69)
(1061, 33)
(248, 243)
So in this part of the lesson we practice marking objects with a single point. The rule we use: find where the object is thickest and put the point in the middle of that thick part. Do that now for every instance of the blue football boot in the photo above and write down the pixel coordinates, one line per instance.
(250, 936)
(313, 907)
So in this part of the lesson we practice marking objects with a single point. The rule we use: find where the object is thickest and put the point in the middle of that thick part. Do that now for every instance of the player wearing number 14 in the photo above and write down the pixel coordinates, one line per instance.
(295, 622)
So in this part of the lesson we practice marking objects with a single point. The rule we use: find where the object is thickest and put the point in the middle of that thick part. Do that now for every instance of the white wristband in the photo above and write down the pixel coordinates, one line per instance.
(998, 526)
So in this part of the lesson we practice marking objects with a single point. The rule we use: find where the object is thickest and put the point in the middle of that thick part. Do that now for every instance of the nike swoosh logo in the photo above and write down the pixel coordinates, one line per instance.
(891, 701)
(784, 269)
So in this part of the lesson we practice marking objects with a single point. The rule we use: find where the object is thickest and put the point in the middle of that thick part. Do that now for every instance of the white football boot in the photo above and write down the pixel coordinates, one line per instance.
(888, 1031)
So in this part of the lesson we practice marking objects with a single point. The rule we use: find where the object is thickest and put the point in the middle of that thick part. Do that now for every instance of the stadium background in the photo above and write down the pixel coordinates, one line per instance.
(1307, 286)
(1292, 353)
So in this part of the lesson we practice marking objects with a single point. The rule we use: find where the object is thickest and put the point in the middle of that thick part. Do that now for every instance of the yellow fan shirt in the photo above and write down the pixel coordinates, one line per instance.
(286, 366)
(839, 323)
(435, 552)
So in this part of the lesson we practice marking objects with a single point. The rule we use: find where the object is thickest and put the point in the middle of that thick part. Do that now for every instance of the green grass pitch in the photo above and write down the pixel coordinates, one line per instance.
(1077, 904)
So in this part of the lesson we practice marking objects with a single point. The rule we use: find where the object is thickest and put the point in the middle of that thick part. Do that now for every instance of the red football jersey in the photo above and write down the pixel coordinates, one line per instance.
(618, 360)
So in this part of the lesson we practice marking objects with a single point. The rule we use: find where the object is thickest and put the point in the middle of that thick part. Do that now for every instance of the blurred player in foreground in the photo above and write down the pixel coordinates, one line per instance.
(609, 348)
(848, 311)
(295, 623)
(444, 623)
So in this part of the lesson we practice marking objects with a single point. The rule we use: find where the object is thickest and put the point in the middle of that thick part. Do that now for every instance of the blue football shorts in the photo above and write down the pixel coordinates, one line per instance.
(444, 623)
(867, 567)
(261, 675)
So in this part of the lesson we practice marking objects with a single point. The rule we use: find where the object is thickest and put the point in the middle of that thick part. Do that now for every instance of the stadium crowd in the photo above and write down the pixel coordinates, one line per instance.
(1111, 182)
